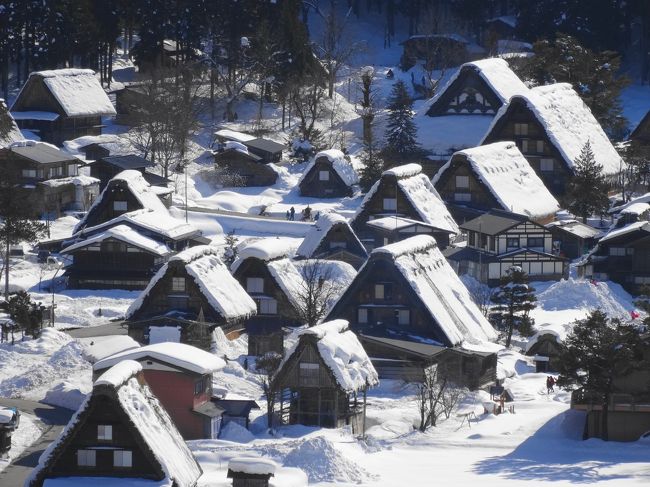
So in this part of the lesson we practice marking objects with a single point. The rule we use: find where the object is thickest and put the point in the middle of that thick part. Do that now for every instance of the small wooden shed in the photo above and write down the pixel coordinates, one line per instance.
(329, 175)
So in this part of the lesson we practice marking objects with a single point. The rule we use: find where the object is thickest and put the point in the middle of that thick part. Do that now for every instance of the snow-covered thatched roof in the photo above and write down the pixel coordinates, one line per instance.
(569, 124)
(340, 164)
(319, 231)
(441, 291)
(558, 331)
(266, 249)
(179, 355)
(218, 286)
(508, 176)
(341, 352)
(496, 73)
(77, 91)
(13, 133)
(147, 419)
(419, 191)
(125, 234)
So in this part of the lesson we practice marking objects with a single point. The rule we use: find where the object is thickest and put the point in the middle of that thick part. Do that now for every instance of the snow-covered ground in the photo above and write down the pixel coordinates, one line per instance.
(28, 432)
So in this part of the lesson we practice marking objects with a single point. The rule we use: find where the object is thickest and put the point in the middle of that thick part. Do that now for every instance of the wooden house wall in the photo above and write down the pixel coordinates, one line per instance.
(250, 173)
(104, 410)
(498, 244)
(36, 97)
(477, 97)
(383, 313)
(641, 134)
(108, 269)
(547, 346)
(631, 270)
(504, 130)
(538, 267)
(334, 187)
(159, 300)
(480, 195)
(570, 245)
(621, 425)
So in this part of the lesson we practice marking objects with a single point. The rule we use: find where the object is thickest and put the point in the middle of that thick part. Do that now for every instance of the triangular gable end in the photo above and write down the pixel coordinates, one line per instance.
(454, 100)
(91, 413)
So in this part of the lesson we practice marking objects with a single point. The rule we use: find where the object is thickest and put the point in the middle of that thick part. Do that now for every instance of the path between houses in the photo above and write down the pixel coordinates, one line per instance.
(54, 419)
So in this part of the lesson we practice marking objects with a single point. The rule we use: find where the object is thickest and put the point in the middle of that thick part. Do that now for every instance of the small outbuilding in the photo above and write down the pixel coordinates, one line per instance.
(106, 168)
(545, 346)
(324, 378)
(240, 166)
(330, 175)
(573, 239)
(62, 104)
(122, 434)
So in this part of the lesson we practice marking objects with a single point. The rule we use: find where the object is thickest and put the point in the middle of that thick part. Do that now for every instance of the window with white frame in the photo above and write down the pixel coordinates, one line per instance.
(338, 245)
(617, 251)
(73, 169)
(178, 284)
(462, 196)
(462, 182)
(123, 458)
(521, 129)
(29, 173)
(390, 204)
(403, 317)
(525, 146)
(119, 205)
(546, 165)
(86, 458)
(104, 432)
(362, 315)
(323, 175)
(539, 146)
(254, 284)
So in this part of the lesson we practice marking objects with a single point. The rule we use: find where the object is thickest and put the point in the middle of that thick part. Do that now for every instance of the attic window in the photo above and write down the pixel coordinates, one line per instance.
(323, 175)
(390, 204)
(546, 165)
(337, 245)
(178, 284)
(521, 129)
(119, 205)
(254, 285)
(462, 182)
(104, 432)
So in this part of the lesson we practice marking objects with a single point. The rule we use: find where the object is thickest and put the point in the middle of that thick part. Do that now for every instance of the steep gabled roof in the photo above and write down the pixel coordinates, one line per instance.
(341, 352)
(496, 73)
(147, 421)
(40, 152)
(494, 222)
(266, 249)
(507, 175)
(642, 130)
(437, 287)
(419, 192)
(340, 164)
(319, 232)
(77, 91)
(568, 123)
(218, 286)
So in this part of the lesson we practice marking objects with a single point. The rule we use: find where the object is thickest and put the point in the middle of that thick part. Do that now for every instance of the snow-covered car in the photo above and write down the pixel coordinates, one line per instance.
(9, 418)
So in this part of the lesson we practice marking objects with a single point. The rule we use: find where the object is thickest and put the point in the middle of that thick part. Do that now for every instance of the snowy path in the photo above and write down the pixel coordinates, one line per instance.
(53, 419)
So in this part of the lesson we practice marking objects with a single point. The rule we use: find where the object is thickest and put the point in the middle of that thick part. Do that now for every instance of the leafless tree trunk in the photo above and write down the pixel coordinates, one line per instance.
(268, 365)
(318, 291)
(435, 397)
(308, 102)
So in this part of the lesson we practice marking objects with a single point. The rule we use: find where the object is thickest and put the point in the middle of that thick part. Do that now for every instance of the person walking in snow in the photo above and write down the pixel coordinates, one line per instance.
(550, 382)
(288, 215)
(292, 213)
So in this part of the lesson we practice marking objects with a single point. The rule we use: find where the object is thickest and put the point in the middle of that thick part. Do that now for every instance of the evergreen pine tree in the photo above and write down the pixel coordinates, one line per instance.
(401, 132)
(373, 166)
(588, 189)
(514, 299)
(596, 353)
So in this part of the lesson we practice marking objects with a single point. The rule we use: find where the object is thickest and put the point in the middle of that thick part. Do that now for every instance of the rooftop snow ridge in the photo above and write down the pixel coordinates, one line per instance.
(405, 171)
(413, 245)
(192, 253)
(253, 465)
(52, 73)
(334, 326)
(119, 373)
